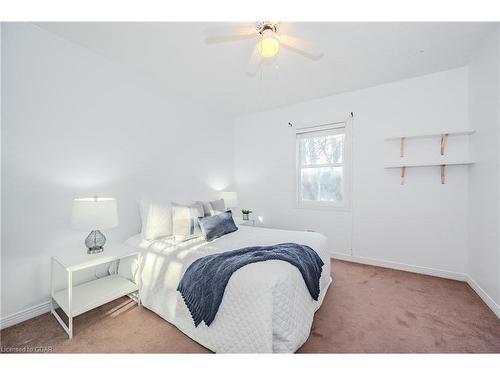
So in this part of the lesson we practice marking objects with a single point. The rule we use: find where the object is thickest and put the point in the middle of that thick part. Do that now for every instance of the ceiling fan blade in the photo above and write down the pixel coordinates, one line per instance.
(254, 63)
(300, 46)
(224, 34)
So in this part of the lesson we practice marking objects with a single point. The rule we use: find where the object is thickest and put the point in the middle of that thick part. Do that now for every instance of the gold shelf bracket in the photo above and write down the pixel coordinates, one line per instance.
(444, 138)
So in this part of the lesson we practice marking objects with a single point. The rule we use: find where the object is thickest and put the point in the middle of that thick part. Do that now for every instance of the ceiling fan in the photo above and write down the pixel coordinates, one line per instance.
(270, 38)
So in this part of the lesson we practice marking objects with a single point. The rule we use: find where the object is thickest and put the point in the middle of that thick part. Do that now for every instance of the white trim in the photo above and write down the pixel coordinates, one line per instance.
(43, 308)
(484, 296)
(402, 266)
(346, 167)
(21, 316)
(315, 128)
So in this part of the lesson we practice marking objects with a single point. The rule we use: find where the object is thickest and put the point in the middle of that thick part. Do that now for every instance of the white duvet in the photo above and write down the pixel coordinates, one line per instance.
(266, 306)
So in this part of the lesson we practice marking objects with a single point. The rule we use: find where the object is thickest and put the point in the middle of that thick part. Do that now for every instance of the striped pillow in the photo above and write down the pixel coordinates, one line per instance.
(185, 222)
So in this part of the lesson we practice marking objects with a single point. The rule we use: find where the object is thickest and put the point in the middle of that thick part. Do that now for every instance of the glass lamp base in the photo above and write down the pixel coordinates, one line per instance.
(95, 242)
(95, 250)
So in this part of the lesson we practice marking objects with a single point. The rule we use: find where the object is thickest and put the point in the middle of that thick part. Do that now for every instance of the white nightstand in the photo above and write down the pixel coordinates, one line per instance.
(248, 223)
(75, 300)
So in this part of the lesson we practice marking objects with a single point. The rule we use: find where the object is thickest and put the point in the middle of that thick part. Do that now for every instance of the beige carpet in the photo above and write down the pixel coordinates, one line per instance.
(367, 310)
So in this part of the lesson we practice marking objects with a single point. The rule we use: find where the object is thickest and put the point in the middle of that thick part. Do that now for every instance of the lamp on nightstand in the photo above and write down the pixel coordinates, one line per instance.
(230, 198)
(94, 214)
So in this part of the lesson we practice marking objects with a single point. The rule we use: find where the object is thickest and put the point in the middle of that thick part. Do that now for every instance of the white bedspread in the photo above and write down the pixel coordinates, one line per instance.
(266, 306)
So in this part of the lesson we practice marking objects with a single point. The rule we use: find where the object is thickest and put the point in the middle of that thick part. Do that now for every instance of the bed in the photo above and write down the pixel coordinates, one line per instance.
(266, 306)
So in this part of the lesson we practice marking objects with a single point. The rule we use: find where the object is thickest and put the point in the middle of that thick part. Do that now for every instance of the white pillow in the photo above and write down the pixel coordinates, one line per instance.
(199, 206)
(185, 221)
(156, 219)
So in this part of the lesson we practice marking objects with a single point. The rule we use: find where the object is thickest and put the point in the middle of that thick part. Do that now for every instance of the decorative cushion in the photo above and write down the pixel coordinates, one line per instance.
(216, 226)
(217, 207)
(156, 219)
(199, 206)
(185, 221)
(212, 207)
(206, 207)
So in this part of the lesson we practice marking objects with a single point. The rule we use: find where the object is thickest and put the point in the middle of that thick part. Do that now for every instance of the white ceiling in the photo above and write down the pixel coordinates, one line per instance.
(356, 55)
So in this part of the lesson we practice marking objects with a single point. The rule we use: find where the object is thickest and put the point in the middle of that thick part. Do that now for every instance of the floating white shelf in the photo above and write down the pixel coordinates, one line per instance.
(440, 163)
(431, 135)
(428, 164)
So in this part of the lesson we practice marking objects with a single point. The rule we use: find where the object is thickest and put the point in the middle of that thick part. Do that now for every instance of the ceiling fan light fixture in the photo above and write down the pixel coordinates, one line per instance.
(269, 46)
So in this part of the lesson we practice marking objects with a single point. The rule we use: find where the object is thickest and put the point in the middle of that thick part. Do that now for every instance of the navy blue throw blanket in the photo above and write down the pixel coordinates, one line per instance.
(203, 284)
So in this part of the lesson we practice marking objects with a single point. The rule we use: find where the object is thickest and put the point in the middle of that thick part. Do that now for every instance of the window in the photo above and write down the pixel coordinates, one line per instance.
(322, 167)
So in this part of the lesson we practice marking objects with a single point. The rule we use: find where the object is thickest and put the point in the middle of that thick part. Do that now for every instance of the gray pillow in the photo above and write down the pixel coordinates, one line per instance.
(217, 207)
(213, 207)
(216, 226)
(205, 206)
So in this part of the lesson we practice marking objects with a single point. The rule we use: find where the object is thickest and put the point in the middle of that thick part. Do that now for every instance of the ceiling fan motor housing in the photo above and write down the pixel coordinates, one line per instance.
(266, 25)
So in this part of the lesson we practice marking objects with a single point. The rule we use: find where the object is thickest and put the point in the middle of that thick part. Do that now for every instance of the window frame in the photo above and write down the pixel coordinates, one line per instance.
(346, 168)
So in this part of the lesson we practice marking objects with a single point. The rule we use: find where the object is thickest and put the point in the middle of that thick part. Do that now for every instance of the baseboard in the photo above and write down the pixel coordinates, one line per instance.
(425, 271)
(25, 314)
(43, 308)
(484, 296)
(402, 267)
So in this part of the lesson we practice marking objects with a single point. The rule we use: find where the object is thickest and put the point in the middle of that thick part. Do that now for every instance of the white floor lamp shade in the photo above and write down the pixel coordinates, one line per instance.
(94, 214)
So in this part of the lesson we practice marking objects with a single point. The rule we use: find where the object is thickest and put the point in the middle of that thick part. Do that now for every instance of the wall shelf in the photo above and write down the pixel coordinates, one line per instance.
(431, 135)
(428, 164)
(442, 163)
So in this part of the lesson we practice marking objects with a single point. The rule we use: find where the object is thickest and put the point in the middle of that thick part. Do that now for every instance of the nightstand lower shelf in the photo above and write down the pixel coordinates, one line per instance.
(77, 299)
(94, 293)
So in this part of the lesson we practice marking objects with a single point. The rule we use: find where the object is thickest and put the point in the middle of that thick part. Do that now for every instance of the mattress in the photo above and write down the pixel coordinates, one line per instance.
(266, 306)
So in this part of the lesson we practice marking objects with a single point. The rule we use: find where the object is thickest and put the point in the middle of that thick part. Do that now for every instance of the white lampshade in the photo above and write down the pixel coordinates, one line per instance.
(230, 198)
(94, 213)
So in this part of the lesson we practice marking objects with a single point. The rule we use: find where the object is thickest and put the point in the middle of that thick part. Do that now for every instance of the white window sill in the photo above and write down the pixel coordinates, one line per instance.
(319, 207)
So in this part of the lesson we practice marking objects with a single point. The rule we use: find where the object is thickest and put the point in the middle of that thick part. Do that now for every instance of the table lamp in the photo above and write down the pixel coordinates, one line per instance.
(94, 214)
(230, 198)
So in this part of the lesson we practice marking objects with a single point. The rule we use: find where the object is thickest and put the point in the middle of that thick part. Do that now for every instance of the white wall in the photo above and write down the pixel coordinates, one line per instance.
(1, 153)
(422, 223)
(484, 198)
(75, 124)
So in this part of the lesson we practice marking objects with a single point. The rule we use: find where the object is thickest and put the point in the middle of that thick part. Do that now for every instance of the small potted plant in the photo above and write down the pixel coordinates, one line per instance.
(246, 213)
